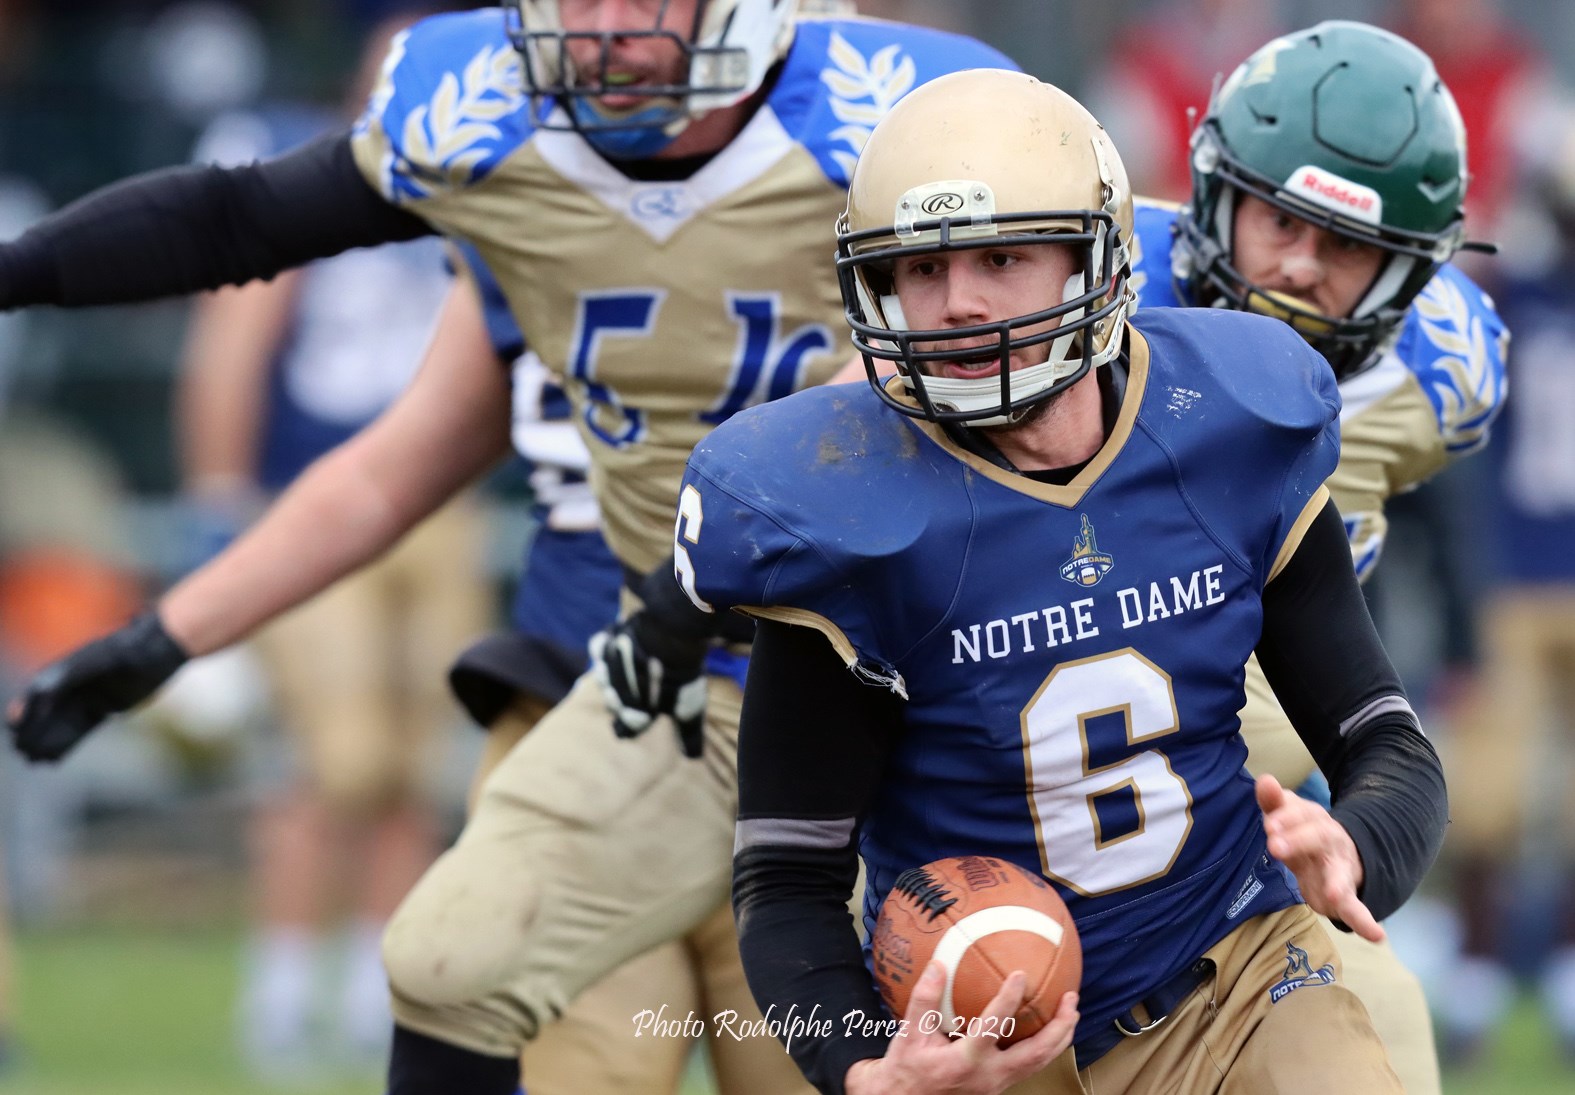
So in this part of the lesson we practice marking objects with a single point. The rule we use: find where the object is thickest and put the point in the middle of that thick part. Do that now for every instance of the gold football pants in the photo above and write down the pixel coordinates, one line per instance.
(1231, 1036)
(584, 850)
(597, 1046)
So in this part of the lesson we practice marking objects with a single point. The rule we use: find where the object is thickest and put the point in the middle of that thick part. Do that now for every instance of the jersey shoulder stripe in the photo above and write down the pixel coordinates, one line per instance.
(842, 76)
(449, 106)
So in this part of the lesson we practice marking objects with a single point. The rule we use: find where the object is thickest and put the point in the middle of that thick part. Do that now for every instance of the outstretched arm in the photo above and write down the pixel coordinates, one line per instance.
(186, 229)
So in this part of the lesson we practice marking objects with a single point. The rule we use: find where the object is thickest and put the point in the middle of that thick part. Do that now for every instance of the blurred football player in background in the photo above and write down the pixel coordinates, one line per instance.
(275, 374)
(1070, 709)
(1327, 189)
(1520, 714)
(651, 186)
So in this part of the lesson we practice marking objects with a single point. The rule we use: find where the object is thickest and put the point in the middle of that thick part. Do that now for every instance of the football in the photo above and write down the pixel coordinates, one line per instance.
(983, 918)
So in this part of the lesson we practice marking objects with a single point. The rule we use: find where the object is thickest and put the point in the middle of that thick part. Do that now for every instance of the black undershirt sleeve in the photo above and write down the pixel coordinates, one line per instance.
(813, 742)
(1323, 658)
(185, 229)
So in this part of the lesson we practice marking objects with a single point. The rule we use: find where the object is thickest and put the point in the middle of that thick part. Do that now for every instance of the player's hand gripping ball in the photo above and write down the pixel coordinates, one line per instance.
(982, 918)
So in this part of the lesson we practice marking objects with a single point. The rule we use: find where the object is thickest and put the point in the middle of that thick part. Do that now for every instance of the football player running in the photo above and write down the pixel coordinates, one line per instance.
(1328, 182)
(649, 181)
(1005, 600)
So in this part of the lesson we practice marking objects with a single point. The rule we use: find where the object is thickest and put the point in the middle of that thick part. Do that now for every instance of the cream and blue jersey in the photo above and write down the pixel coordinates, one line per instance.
(1430, 398)
(1071, 656)
(661, 307)
(567, 588)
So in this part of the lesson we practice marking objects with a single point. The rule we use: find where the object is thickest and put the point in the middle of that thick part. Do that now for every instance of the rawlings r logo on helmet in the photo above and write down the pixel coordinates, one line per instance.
(941, 204)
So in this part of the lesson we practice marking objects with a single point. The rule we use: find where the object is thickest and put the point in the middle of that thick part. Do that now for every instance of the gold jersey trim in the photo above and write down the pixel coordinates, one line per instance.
(803, 617)
(1299, 529)
(1067, 495)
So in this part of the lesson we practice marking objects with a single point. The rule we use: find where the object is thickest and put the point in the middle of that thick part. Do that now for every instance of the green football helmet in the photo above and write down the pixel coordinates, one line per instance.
(1346, 126)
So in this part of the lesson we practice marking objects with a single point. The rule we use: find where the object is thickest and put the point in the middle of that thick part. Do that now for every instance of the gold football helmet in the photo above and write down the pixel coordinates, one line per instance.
(978, 159)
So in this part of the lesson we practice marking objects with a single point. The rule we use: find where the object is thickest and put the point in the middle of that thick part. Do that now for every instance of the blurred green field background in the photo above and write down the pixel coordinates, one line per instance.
(122, 1011)
(132, 1011)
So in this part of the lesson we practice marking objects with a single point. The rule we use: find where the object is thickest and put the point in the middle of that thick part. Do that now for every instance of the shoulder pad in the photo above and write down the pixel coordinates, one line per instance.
(1258, 369)
(1455, 344)
(843, 75)
(1249, 414)
(448, 107)
(786, 507)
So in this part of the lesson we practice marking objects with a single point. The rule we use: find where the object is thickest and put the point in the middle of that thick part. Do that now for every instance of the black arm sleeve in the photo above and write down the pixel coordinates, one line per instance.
(1328, 669)
(671, 625)
(812, 744)
(189, 228)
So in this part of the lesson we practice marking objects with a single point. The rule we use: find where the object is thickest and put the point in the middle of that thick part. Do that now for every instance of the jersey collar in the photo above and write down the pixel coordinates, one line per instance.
(1069, 495)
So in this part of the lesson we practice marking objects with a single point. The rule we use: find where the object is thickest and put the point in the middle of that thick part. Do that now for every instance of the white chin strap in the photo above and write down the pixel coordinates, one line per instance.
(984, 393)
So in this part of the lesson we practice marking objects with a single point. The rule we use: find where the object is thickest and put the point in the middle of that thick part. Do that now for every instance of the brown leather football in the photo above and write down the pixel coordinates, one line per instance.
(983, 918)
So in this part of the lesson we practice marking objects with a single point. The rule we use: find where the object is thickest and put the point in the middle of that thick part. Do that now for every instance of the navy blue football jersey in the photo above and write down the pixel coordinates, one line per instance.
(1071, 656)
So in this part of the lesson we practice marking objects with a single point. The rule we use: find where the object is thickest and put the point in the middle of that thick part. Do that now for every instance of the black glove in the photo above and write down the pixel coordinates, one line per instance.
(653, 662)
(68, 699)
(645, 672)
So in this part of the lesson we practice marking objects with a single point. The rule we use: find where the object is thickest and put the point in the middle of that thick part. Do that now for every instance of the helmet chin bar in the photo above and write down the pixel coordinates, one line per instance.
(719, 73)
(881, 332)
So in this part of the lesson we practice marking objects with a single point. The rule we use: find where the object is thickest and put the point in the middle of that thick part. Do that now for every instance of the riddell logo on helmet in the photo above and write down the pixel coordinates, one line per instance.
(1329, 190)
